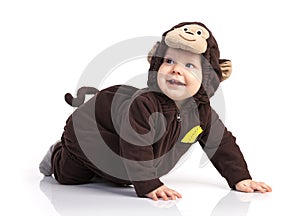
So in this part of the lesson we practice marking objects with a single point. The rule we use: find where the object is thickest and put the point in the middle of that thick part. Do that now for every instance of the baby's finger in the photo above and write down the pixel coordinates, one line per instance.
(256, 186)
(153, 196)
(163, 195)
(266, 187)
(226, 63)
(259, 188)
(244, 188)
(225, 70)
(177, 194)
(174, 194)
(171, 195)
(225, 66)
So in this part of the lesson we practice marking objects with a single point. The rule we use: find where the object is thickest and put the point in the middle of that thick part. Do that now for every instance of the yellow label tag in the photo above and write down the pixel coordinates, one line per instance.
(192, 135)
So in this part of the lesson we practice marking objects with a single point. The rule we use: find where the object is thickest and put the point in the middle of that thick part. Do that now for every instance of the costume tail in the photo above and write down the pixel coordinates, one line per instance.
(76, 102)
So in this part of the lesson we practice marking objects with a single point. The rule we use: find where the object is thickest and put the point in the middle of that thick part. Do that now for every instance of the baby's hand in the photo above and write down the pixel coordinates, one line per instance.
(163, 192)
(249, 185)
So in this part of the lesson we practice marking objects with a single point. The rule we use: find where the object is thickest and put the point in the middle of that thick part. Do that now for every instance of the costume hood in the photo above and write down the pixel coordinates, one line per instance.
(206, 46)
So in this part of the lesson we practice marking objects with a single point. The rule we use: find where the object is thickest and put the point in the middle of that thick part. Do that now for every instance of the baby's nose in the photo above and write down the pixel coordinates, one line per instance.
(177, 69)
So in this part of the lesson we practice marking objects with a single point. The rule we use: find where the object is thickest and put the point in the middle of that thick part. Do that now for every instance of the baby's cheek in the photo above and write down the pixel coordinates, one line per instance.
(195, 76)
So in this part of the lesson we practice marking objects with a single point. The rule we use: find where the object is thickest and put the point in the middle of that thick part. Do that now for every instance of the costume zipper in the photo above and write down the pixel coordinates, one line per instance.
(178, 117)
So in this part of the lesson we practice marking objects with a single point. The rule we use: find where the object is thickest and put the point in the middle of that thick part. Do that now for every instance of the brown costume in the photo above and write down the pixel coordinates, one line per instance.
(127, 135)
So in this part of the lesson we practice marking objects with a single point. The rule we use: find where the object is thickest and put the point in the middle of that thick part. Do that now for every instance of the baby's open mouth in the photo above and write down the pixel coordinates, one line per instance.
(175, 82)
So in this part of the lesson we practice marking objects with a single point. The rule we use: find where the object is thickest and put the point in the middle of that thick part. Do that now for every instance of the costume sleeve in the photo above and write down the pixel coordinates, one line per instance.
(220, 146)
(138, 133)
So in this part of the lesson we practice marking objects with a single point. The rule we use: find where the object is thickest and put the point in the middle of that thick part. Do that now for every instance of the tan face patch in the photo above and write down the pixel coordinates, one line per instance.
(191, 38)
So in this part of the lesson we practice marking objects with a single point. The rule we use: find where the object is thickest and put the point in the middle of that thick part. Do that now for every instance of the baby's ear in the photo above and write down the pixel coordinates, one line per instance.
(226, 68)
(152, 51)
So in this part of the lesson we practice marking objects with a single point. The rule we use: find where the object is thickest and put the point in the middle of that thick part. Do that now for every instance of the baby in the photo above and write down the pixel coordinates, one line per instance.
(134, 136)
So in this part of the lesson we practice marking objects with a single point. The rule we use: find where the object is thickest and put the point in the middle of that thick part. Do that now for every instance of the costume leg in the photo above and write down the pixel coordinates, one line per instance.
(67, 168)
(45, 165)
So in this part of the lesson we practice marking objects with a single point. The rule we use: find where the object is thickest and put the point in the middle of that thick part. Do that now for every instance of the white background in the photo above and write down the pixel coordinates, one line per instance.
(46, 45)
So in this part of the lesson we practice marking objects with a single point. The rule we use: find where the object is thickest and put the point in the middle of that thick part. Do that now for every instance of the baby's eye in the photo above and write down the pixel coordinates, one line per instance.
(189, 65)
(169, 61)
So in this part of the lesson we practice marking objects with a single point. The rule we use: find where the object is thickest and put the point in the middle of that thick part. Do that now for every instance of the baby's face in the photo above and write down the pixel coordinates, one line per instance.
(180, 75)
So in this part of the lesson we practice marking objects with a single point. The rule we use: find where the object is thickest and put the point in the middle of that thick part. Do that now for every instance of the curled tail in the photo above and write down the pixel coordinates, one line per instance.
(76, 102)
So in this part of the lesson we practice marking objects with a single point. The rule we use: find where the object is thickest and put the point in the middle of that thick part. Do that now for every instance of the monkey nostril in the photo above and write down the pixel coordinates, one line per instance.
(186, 30)
(189, 33)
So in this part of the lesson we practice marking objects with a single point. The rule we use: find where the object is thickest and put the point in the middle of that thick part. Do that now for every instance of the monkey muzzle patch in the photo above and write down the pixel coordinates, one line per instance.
(191, 38)
(186, 38)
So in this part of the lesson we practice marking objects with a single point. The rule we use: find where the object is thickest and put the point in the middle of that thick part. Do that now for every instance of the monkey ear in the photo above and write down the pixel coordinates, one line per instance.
(152, 51)
(226, 68)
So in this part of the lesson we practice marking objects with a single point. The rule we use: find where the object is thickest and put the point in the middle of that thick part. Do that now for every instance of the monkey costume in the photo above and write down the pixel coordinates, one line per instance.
(134, 136)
